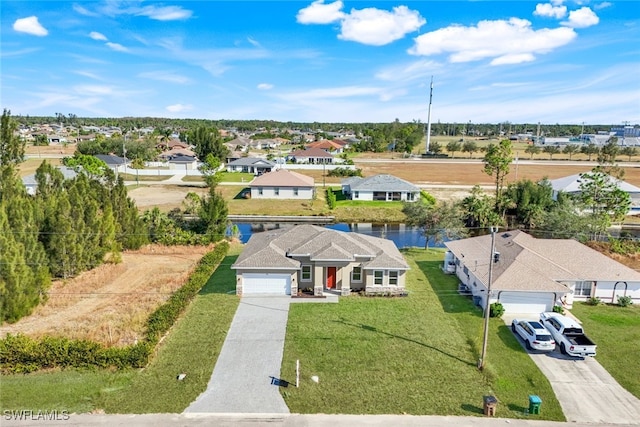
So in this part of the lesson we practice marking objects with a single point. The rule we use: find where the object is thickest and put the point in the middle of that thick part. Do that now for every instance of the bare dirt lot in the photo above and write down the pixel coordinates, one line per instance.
(111, 303)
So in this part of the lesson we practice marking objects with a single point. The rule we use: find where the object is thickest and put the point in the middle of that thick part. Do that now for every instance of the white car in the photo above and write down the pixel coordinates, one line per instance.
(535, 336)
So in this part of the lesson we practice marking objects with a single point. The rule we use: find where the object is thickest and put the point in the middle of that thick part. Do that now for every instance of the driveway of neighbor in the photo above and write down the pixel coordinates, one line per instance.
(249, 360)
(586, 391)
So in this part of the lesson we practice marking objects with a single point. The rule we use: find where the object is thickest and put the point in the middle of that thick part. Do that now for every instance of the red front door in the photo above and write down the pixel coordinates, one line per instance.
(331, 277)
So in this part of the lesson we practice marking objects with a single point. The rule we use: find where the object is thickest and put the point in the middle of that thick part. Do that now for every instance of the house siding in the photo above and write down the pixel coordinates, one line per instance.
(607, 291)
(284, 193)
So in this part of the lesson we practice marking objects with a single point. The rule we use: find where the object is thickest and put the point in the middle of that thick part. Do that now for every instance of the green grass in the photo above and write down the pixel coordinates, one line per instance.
(134, 177)
(236, 177)
(375, 211)
(192, 347)
(414, 355)
(616, 332)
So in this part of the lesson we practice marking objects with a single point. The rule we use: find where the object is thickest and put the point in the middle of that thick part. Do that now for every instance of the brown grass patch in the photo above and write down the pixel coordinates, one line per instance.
(110, 304)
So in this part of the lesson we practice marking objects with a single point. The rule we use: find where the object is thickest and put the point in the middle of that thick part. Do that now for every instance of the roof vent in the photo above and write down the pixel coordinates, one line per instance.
(505, 235)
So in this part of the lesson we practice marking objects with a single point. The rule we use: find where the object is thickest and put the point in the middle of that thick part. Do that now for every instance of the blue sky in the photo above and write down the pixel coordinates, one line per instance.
(341, 61)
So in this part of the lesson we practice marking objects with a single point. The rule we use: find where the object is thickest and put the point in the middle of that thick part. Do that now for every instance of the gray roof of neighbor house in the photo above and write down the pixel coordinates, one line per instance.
(112, 160)
(252, 161)
(282, 178)
(571, 184)
(380, 182)
(530, 264)
(67, 173)
(274, 249)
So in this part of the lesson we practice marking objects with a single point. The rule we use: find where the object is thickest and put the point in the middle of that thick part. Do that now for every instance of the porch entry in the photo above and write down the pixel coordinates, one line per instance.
(331, 277)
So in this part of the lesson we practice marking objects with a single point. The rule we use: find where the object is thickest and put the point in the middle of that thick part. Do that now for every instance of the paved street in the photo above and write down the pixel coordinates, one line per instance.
(249, 361)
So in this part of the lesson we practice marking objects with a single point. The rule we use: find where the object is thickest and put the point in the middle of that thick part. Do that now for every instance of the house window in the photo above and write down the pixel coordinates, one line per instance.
(465, 270)
(378, 277)
(276, 191)
(393, 278)
(356, 274)
(356, 194)
(260, 191)
(295, 191)
(306, 273)
(583, 288)
(410, 197)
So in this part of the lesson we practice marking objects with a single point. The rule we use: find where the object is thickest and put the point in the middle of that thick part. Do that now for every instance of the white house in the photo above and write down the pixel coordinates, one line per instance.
(380, 187)
(282, 184)
(531, 275)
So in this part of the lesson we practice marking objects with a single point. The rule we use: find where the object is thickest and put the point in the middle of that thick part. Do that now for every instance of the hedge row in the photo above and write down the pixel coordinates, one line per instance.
(21, 354)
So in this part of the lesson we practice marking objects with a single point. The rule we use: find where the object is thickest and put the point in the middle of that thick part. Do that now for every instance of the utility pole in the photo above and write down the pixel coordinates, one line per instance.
(429, 118)
(492, 260)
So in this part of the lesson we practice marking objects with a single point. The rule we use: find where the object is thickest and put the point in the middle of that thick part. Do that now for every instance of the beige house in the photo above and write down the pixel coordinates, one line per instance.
(282, 184)
(316, 260)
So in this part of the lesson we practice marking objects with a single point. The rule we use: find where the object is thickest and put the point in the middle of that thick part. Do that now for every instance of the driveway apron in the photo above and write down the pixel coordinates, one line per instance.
(244, 378)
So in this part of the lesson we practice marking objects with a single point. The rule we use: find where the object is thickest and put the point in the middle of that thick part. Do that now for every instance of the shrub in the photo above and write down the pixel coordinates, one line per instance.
(496, 310)
(624, 301)
(594, 301)
(331, 199)
(558, 309)
(345, 172)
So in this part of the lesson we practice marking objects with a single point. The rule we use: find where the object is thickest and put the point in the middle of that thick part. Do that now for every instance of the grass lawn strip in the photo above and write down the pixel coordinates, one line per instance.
(414, 355)
(191, 347)
(616, 331)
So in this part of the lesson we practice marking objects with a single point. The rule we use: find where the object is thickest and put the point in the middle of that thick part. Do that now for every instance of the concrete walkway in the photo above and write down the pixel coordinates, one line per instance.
(242, 380)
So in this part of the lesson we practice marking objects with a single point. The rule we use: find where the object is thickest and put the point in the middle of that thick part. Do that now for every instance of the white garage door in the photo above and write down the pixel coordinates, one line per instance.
(526, 302)
(266, 283)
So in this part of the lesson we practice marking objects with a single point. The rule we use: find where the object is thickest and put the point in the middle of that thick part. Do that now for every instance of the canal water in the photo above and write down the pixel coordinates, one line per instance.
(402, 235)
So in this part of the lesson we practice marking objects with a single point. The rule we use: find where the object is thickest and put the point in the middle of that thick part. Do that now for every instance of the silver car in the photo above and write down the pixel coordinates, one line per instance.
(535, 335)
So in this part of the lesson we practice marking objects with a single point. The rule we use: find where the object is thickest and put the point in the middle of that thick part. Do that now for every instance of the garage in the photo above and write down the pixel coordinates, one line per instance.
(526, 302)
(266, 283)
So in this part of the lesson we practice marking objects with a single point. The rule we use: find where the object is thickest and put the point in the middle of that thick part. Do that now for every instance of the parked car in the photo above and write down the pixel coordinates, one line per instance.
(568, 334)
(535, 335)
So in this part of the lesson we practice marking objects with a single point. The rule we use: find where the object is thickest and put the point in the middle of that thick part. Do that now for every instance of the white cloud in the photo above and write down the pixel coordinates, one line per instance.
(30, 25)
(320, 13)
(379, 27)
(92, 90)
(550, 11)
(265, 86)
(97, 36)
(117, 47)
(502, 41)
(165, 13)
(602, 5)
(177, 108)
(253, 42)
(165, 76)
(88, 74)
(83, 11)
(581, 18)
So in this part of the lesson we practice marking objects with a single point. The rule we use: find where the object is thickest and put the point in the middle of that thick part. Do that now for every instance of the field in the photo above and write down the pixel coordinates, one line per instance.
(111, 303)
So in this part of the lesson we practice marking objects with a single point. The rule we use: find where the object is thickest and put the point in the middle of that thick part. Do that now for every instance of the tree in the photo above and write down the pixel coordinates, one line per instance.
(207, 141)
(570, 149)
(213, 216)
(629, 151)
(607, 159)
(551, 150)
(470, 147)
(589, 149)
(531, 150)
(600, 194)
(438, 222)
(497, 160)
(453, 146)
(530, 200)
(90, 165)
(436, 148)
(209, 169)
(11, 147)
(479, 210)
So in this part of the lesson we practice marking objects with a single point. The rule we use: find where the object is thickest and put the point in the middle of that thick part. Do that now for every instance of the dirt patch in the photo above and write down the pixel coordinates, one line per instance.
(111, 303)
(165, 197)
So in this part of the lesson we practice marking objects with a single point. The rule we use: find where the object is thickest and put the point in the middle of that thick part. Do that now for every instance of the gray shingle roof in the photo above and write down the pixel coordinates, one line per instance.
(269, 249)
(381, 182)
(252, 161)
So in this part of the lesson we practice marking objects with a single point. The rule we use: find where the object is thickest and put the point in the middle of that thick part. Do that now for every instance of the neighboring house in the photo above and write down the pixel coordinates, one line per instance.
(303, 257)
(380, 187)
(183, 161)
(174, 152)
(254, 165)
(31, 184)
(282, 184)
(531, 275)
(113, 162)
(328, 146)
(571, 185)
(310, 155)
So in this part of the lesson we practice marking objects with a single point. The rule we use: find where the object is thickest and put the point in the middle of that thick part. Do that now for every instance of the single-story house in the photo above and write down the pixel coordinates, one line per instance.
(571, 185)
(380, 187)
(282, 184)
(327, 145)
(254, 165)
(317, 259)
(531, 275)
(310, 155)
(183, 161)
(31, 184)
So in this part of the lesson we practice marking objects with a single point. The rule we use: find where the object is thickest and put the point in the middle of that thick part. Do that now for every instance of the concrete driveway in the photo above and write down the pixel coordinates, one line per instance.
(242, 380)
(586, 391)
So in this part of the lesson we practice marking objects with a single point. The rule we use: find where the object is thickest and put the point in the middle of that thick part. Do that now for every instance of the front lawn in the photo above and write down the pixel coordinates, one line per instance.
(616, 332)
(375, 211)
(415, 355)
